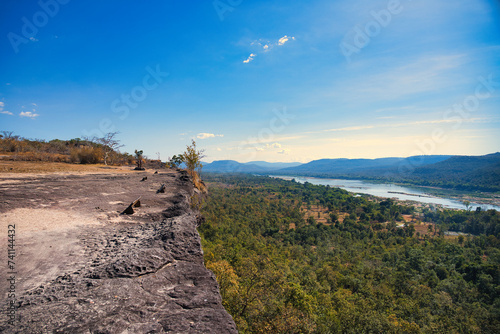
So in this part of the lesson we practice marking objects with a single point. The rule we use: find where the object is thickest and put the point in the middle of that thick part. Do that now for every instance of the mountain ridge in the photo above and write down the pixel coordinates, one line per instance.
(449, 171)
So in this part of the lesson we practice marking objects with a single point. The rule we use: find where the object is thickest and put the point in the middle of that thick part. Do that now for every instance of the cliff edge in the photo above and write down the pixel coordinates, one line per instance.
(81, 266)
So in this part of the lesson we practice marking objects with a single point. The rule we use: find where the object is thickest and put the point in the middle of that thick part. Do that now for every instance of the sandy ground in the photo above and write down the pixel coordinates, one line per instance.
(50, 211)
(42, 235)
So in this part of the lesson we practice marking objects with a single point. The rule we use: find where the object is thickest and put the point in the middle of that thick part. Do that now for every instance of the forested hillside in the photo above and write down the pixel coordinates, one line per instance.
(471, 173)
(461, 172)
(299, 258)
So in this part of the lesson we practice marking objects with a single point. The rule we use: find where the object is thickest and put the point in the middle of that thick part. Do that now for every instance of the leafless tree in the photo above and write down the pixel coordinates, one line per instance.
(8, 135)
(110, 144)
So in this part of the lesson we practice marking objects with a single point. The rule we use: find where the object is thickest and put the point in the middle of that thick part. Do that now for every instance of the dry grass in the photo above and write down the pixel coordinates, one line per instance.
(323, 212)
(198, 183)
(34, 156)
(423, 228)
(57, 167)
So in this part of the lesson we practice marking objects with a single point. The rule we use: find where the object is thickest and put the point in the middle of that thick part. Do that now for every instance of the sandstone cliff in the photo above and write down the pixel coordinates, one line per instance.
(82, 267)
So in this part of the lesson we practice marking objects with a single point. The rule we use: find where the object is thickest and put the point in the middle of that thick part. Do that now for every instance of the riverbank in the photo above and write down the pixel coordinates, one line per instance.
(492, 199)
(430, 196)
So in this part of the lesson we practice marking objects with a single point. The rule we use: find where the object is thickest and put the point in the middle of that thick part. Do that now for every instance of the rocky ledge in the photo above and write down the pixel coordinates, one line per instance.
(81, 266)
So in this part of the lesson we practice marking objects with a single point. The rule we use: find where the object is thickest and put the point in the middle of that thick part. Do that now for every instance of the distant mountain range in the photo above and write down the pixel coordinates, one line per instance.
(459, 172)
(362, 166)
(231, 166)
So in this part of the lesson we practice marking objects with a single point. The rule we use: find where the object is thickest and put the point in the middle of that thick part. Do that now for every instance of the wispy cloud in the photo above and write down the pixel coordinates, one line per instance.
(205, 135)
(266, 46)
(28, 114)
(351, 128)
(250, 58)
(5, 112)
(284, 151)
(420, 75)
(275, 139)
(268, 147)
(400, 125)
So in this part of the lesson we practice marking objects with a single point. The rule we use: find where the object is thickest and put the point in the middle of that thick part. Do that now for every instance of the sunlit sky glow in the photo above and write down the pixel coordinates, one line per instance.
(256, 80)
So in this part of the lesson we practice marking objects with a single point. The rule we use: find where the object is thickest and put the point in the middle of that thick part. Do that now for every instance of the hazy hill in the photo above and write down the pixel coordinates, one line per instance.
(274, 165)
(360, 167)
(231, 166)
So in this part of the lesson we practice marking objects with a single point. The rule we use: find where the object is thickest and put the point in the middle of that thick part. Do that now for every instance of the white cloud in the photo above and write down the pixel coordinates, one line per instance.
(219, 149)
(250, 58)
(2, 104)
(352, 128)
(273, 145)
(285, 151)
(33, 39)
(28, 114)
(267, 46)
(205, 135)
(284, 39)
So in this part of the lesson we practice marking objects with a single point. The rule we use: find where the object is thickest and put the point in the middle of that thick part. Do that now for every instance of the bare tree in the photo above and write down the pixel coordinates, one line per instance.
(9, 135)
(110, 144)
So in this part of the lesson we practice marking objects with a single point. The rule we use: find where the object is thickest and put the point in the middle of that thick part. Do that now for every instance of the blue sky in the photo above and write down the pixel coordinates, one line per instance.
(256, 80)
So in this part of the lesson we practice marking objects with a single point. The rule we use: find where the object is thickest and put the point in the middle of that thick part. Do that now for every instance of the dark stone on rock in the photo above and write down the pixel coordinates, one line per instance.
(161, 190)
(144, 178)
(130, 209)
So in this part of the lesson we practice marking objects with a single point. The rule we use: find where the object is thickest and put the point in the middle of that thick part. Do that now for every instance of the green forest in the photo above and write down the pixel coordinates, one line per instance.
(301, 258)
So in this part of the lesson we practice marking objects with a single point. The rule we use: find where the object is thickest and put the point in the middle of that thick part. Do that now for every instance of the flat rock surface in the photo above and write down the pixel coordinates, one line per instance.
(83, 267)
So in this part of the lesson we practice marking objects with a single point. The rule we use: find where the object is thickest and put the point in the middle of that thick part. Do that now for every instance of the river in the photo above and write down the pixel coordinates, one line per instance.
(389, 190)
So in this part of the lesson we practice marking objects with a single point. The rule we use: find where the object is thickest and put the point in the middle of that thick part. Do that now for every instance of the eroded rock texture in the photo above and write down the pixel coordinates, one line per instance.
(140, 273)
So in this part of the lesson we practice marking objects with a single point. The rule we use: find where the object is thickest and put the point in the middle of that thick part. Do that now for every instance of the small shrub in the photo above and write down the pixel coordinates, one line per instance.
(86, 155)
(192, 157)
